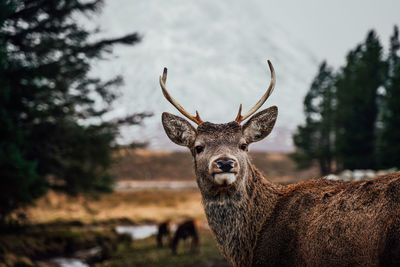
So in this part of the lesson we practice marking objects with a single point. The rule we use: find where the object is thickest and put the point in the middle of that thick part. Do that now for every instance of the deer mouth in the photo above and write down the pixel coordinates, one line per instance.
(225, 178)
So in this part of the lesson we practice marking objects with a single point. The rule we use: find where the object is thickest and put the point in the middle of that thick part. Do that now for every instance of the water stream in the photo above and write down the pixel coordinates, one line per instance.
(136, 232)
(69, 262)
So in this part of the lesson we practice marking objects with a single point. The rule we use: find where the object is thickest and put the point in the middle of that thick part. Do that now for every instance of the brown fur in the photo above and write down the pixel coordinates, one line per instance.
(326, 223)
(315, 223)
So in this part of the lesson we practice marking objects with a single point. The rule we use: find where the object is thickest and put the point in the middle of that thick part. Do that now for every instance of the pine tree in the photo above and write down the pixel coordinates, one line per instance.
(357, 109)
(313, 141)
(389, 145)
(19, 182)
(50, 98)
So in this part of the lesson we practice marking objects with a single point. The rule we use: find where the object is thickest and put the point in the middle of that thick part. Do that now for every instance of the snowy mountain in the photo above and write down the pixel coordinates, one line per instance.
(216, 54)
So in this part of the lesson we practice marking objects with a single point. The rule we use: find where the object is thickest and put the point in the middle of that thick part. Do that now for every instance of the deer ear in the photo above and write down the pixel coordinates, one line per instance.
(179, 130)
(260, 125)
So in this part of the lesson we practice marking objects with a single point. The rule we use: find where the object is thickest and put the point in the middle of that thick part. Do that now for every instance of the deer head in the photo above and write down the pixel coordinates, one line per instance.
(220, 151)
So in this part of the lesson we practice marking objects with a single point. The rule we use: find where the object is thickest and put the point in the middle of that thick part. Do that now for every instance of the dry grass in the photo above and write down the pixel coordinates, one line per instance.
(279, 168)
(138, 207)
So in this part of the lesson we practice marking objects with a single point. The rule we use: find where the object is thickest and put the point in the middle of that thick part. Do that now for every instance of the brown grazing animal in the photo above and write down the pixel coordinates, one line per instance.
(258, 223)
(185, 230)
(163, 231)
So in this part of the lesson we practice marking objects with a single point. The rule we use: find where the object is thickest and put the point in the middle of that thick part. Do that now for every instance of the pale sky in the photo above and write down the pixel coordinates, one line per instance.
(331, 28)
(216, 53)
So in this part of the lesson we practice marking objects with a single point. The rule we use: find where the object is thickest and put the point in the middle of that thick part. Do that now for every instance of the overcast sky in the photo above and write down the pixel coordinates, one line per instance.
(216, 53)
(331, 28)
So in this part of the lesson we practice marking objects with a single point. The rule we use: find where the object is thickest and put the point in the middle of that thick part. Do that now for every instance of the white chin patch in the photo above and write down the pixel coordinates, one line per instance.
(225, 178)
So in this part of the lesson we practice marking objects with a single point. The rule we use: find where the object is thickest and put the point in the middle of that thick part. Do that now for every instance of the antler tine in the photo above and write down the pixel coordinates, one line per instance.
(196, 119)
(239, 117)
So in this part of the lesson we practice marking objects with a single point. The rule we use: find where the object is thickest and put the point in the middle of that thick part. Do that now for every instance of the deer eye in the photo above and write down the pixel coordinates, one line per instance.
(199, 149)
(243, 147)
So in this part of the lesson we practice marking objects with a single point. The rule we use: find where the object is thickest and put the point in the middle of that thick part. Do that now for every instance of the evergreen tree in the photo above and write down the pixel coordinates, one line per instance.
(19, 183)
(48, 98)
(389, 145)
(357, 109)
(313, 141)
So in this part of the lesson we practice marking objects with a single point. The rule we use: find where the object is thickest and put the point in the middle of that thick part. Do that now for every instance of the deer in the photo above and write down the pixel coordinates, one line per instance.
(184, 231)
(255, 222)
(163, 231)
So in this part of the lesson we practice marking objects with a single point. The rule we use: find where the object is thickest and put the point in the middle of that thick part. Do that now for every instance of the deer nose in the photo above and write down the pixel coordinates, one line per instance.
(225, 164)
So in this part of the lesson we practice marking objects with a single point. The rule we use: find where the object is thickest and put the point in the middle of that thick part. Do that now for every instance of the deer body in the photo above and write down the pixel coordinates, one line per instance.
(327, 223)
(163, 231)
(186, 230)
(257, 223)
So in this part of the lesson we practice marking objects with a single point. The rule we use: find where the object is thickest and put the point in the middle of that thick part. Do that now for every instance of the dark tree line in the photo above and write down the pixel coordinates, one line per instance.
(353, 115)
(315, 137)
(47, 98)
(389, 130)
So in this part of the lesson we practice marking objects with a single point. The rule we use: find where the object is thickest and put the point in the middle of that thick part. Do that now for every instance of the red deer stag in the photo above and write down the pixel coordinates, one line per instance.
(258, 223)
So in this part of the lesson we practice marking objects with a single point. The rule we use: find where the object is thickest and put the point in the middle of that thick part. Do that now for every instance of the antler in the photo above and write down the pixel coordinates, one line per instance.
(239, 117)
(163, 80)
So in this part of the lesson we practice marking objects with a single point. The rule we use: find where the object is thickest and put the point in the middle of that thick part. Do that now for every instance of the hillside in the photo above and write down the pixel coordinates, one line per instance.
(143, 164)
(216, 60)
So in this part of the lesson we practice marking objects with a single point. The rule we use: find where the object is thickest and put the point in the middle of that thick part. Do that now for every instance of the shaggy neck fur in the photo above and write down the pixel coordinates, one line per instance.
(237, 220)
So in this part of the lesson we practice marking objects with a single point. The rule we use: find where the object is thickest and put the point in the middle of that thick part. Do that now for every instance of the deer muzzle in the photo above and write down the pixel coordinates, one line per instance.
(224, 170)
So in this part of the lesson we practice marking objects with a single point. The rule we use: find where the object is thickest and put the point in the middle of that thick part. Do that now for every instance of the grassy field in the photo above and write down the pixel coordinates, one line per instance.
(35, 246)
(59, 213)
(152, 206)
(146, 253)
(143, 207)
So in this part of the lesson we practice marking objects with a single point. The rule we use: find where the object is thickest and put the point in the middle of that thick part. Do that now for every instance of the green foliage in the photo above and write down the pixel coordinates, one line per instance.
(357, 109)
(53, 131)
(146, 253)
(389, 138)
(81, 155)
(19, 182)
(364, 132)
(314, 139)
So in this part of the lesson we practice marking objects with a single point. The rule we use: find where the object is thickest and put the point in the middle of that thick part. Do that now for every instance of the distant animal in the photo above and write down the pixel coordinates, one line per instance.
(258, 223)
(163, 232)
(185, 230)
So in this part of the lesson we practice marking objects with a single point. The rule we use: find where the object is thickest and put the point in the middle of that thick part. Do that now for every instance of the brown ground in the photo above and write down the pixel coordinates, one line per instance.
(155, 165)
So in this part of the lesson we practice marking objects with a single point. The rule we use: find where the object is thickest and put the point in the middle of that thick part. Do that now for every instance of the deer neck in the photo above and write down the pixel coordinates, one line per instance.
(237, 220)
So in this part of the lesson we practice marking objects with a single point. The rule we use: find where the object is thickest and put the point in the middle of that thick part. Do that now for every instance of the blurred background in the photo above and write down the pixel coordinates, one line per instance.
(87, 174)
